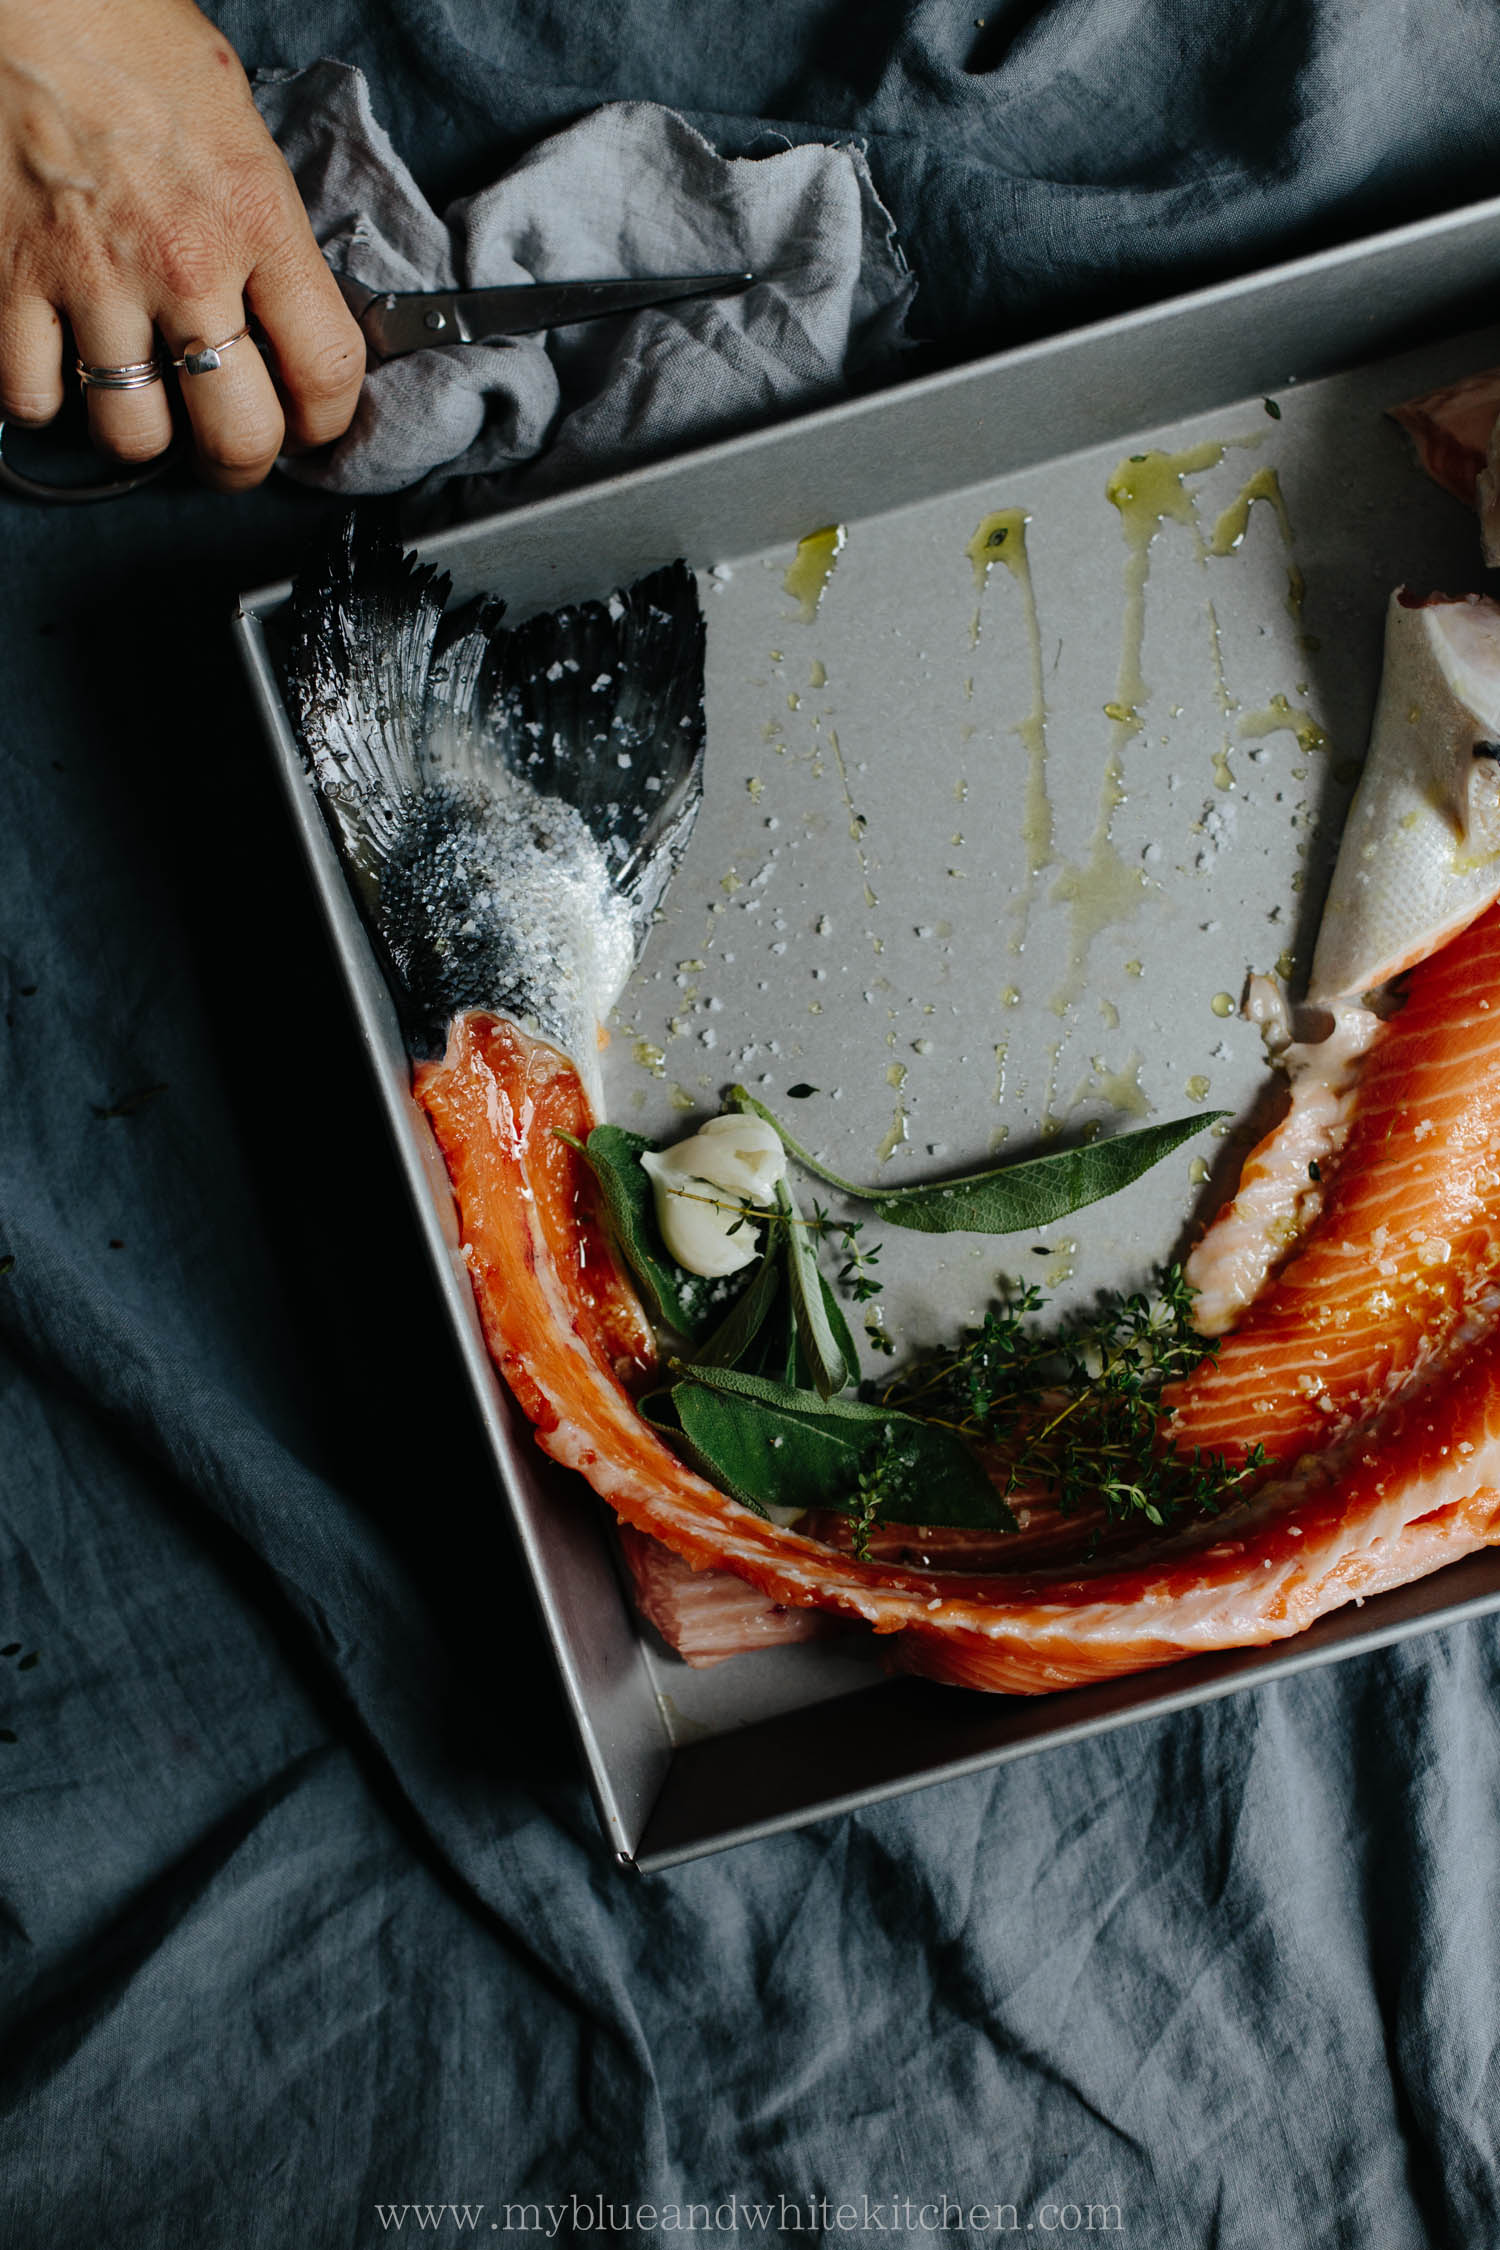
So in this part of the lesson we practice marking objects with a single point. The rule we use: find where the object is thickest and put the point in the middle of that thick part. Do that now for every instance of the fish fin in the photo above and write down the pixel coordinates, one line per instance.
(359, 637)
(600, 704)
(510, 803)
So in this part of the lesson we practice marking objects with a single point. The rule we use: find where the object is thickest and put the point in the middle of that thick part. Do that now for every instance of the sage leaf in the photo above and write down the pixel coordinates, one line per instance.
(745, 1318)
(822, 1351)
(769, 1444)
(674, 1297)
(1011, 1198)
(841, 1335)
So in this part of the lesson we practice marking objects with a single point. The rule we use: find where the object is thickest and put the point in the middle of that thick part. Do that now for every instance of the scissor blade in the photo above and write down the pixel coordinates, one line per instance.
(399, 322)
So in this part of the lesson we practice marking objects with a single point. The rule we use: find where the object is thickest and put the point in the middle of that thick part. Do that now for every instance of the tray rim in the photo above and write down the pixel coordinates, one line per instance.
(629, 1817)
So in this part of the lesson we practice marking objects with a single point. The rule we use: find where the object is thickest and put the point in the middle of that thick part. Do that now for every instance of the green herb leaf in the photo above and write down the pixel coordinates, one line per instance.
(840, 1326)
(770, 1444)
(746, 1317)
(1077, 1410)
(825, 1354)
(1272, 408)
(678, 1299)
(800, 1092)
(1008, 1198)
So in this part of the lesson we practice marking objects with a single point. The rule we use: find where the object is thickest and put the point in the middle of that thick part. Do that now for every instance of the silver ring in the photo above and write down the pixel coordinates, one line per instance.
(199, 358)
(133, 377)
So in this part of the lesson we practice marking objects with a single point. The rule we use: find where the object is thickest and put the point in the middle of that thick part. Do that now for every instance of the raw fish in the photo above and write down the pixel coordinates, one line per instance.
(504, 835)
(1454, 431)
(1420, 853)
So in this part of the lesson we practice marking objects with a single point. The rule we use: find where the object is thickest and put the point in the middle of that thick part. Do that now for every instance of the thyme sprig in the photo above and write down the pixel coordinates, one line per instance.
(874, 1485)
(1076, 1410)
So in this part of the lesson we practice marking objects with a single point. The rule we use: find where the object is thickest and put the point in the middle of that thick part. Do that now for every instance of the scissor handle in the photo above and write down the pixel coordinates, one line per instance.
(36, 488)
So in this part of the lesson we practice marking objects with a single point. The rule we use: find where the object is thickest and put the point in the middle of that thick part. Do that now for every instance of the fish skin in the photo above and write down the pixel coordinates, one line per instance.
(1450, 429)
(510, 802)
(1284, 1179)
(1456, 432)
(1368, 1298)
(1305, 1544)
(707, 1616)
(1415, 1483)
(1420, 854)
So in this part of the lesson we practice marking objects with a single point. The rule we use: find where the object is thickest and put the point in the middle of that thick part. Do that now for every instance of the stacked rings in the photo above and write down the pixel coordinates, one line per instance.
(133, 377)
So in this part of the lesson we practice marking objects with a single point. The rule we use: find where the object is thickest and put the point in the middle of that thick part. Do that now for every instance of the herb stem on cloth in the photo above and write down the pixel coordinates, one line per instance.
(1013, 1198)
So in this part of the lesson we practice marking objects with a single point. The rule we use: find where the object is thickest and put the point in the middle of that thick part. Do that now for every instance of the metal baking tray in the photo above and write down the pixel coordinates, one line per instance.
(878, 902)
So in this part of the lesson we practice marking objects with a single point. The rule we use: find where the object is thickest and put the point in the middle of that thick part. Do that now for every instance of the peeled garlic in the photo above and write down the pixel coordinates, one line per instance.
(704, 1187)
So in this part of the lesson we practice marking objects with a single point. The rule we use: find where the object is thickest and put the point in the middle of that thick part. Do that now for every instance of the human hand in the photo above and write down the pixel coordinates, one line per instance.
(139, 190)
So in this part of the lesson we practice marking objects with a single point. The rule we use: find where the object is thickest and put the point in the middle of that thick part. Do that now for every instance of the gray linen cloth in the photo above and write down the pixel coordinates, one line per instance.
(631, 189)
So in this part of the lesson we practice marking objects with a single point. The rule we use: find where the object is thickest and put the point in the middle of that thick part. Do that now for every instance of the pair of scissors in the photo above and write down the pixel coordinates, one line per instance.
(396, 322)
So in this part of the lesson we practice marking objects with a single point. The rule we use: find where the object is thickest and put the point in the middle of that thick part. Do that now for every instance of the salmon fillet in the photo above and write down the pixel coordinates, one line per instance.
(1421, 1486)
(1406, 1244)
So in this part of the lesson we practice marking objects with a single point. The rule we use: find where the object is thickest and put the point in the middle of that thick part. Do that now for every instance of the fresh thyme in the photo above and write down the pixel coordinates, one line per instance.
(1077, 1411)
(854, 1274)
(873, 1486)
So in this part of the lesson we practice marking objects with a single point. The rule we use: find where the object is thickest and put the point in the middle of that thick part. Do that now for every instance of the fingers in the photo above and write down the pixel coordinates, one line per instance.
(236, 416)
(30, 361)
(318, 345)
(135, 425)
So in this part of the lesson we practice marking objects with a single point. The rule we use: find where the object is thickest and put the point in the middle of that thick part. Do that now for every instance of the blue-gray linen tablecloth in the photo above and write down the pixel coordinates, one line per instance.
(305, 1924)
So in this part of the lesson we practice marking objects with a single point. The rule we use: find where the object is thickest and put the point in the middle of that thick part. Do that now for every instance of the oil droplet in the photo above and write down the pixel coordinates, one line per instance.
(1102, 891)
(1285, 963)
(682, 1099)
(1061, 1268)
(793, 701)
(896, 1076)
(1235, 521)
(1222, 1004)
(1002, 1049)
(1223, 775)
(755, 788)
(1196, 1089)
(1197, 1172)
(1111, 1015)
(1001, 538)
(1121, 1088)
(650, 1057)
(807, 575)
(1133, 969)
(1147, 490)
(1010, 997)
(1281, 716)
(817, 677)
(893, 1138)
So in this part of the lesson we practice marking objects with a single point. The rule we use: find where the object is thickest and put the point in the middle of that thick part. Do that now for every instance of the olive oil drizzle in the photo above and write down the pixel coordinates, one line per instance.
(1001, 538)
(807, 575)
